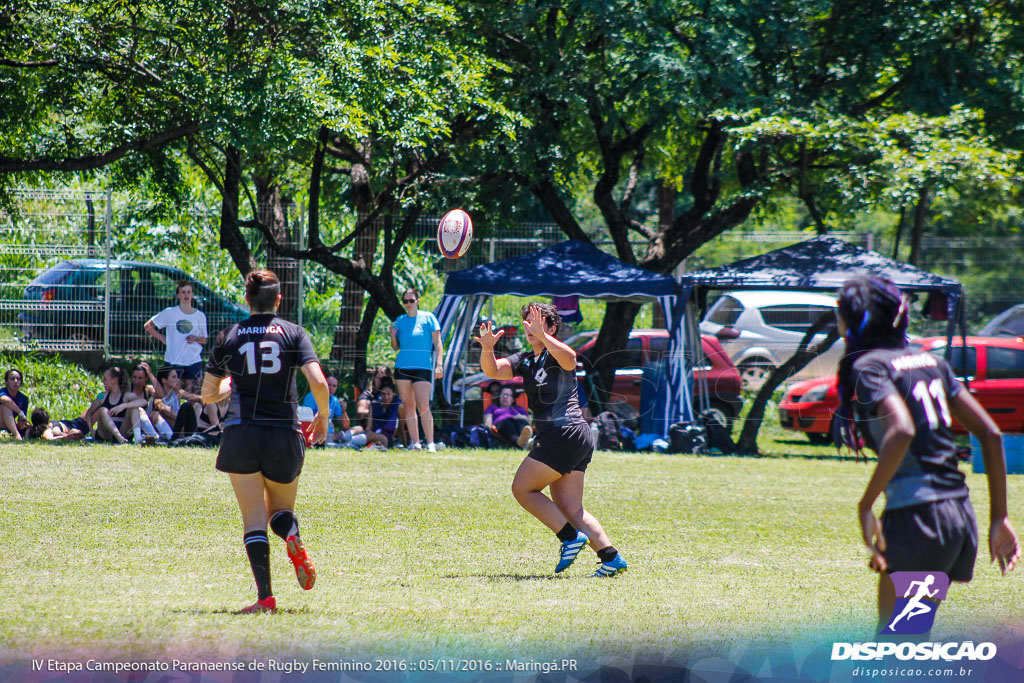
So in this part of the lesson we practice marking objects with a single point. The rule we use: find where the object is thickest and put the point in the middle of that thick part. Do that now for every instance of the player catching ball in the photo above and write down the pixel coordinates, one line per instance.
(902, 401)
(563, 444)
(262, 448)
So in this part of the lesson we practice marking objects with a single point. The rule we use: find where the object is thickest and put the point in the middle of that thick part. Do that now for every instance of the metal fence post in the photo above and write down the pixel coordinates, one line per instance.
(106, 290)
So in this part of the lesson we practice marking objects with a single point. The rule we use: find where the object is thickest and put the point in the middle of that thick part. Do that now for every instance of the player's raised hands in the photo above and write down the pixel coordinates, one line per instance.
(1003, 545)
(534, 323)
(488, 338)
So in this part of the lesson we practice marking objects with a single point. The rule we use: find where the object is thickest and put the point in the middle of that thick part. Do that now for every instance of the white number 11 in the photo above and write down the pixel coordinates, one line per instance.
(925, 394)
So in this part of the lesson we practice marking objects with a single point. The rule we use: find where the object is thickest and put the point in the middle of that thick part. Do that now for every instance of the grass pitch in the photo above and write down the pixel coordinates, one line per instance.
(136, 553)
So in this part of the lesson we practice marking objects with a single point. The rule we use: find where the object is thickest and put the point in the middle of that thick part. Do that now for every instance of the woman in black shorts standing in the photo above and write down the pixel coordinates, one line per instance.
(262, 448)
(902, 401)
(563, 444)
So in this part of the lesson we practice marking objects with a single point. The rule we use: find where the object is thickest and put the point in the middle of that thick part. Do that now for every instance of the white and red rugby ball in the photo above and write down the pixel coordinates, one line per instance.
(454, 233)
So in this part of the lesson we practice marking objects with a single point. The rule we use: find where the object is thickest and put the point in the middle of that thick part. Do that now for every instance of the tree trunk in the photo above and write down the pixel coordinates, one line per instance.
(346, 348)
(899, 233)
(272, 214)
(230, 234)
(920, 212)
(747, 443)
(606, 356)
(666, 215)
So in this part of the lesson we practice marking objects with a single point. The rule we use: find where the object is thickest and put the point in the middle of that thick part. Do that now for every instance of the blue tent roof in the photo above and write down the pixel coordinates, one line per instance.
(823, 262)
(567, 268)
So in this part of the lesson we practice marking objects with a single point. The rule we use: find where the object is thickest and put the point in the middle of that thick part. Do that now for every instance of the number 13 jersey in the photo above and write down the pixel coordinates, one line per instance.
(262, 355)
(925, 382)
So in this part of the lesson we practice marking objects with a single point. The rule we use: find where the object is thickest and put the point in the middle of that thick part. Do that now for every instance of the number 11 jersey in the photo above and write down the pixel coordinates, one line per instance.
(262, 355)
(925, 382)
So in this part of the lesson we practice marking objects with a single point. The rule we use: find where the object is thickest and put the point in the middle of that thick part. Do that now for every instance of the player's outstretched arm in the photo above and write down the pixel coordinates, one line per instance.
(898, 432)
(215, 388)
(1002, 540)
(495, 368)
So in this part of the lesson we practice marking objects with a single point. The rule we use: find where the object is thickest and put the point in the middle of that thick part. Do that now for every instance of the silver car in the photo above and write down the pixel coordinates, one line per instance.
(1009, 323)
(761, 329)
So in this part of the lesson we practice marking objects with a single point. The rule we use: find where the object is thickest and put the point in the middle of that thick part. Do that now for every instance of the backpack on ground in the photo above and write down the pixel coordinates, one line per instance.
(685, 437)
(718, 436)
(609, 431)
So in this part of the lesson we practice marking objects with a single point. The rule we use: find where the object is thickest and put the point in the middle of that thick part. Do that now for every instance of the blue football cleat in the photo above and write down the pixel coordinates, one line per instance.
(570, 549)
(616, 566)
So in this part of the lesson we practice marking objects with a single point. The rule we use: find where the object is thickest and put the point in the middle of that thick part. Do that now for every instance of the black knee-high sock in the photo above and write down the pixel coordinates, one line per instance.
(607, 554)
(257, 547)
(284, 524)
(567, 533)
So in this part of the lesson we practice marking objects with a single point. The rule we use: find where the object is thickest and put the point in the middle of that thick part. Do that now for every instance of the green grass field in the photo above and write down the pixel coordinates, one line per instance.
(136, 553)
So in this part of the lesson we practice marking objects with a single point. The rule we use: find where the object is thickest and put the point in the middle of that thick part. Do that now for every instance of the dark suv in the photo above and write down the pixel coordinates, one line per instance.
(64, 306)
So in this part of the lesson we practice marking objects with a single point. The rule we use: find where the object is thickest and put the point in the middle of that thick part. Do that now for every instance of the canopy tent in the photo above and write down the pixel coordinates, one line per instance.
(824, 263)
(568, 268)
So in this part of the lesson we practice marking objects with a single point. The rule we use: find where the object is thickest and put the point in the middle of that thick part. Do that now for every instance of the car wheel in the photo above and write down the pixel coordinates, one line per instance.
(754, 371)
(819, 439)
(720, 413)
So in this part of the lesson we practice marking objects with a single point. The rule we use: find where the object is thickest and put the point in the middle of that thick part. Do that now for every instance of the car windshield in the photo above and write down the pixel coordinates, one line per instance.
(726, 311)
(1011, 324)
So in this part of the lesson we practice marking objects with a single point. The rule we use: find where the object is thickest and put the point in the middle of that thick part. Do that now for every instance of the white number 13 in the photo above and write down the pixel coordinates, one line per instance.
(925, 394)
(270, 357)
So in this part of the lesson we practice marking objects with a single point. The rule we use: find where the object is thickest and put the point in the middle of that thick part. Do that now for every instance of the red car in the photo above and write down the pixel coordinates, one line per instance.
(646, 346)
(992, 368)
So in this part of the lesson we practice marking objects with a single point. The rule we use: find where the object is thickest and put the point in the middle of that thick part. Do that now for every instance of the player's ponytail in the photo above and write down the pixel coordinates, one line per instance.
(876, 316)
(261, 290)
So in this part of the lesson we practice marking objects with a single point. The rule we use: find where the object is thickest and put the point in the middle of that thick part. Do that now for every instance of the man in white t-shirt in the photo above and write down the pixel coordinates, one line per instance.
(185, 333)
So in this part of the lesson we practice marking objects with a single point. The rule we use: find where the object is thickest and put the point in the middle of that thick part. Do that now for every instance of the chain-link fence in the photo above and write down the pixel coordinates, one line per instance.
(84, 270)
(74, 279)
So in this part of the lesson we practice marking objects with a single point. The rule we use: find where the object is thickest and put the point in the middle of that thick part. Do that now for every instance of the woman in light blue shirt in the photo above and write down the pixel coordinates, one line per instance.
(417, 338)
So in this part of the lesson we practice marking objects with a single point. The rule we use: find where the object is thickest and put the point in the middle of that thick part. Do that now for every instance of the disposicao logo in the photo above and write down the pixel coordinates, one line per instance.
(917, 600)
(918, 595)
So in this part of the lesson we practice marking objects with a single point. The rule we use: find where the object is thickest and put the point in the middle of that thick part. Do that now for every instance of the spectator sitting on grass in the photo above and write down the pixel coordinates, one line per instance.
(145, 385)
(381, 374)
(43, 428)
(14, 405)
(115, 412)
(382, 422)
(337, 418)
(171, 413)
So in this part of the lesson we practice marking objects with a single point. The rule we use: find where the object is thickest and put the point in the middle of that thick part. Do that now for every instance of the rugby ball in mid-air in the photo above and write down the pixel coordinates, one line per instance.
(454, 233)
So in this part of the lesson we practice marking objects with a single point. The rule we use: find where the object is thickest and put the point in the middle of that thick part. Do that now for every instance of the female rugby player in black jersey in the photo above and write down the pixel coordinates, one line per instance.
(262, 447)
(563, 444)
(902, 402)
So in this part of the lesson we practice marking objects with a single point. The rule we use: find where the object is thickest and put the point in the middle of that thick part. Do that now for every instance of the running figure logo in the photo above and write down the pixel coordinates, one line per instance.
(917, 599)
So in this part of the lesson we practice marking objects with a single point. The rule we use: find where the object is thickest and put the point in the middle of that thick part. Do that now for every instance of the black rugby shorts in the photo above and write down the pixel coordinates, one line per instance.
(277, 452)
(938, 536)
(414, 374)
(564, 449)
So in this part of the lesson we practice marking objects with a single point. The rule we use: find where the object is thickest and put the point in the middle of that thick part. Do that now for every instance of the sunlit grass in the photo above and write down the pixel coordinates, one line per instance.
(131, 552)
